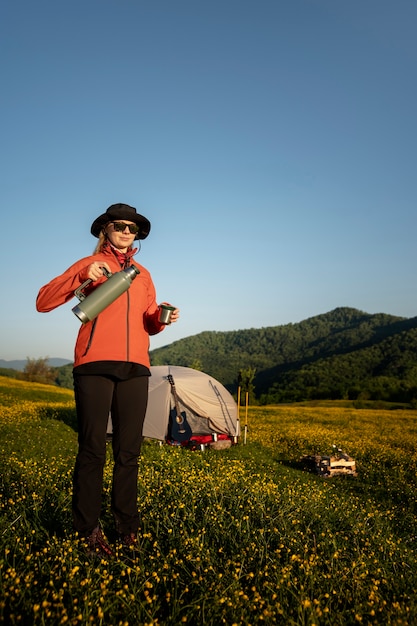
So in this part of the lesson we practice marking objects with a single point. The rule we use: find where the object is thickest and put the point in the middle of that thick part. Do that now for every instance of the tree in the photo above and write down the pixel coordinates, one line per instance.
(64, 376)
(245, 381)
(38, 371)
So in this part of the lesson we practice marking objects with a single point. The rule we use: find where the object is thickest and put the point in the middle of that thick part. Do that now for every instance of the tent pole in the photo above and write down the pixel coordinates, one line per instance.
(238, 411)
(246, 415)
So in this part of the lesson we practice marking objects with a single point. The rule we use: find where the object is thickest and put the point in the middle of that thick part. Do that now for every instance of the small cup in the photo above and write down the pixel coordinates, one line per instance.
(165, 312)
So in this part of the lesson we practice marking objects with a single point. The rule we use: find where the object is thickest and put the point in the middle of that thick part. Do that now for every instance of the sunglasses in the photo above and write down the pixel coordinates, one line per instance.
(120, 227)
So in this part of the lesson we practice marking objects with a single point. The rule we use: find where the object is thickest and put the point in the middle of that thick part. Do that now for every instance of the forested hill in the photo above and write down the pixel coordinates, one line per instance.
(345, 353)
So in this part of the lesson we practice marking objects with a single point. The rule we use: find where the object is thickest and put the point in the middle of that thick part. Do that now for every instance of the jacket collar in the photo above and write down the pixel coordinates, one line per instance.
(123, 258)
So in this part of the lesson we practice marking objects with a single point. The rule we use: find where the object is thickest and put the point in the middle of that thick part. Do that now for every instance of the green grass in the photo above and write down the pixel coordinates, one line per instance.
(241, 536)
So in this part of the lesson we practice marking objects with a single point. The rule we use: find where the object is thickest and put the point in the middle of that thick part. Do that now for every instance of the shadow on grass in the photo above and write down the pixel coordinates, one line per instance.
(66, 415)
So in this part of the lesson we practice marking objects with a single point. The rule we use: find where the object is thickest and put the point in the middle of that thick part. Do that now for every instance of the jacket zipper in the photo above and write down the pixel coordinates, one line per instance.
(126, 264)
(90, 339)
(127, 325)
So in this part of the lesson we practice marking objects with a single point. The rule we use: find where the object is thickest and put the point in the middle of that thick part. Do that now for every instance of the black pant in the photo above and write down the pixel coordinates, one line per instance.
(95, 397)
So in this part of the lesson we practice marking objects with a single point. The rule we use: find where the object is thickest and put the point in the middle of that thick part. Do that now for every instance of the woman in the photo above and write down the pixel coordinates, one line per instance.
(111, 370)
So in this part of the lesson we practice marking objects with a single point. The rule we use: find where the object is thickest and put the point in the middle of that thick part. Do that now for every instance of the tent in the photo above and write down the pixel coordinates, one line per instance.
(208, 408)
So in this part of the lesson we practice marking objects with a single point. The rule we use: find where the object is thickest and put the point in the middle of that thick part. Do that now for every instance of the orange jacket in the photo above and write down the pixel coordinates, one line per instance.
(120, 332)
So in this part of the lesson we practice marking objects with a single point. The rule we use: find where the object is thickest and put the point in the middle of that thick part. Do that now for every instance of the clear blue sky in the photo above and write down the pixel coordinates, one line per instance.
(272, 144)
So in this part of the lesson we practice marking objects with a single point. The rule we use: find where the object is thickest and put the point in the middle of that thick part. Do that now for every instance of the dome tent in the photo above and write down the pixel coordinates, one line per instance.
(209, 409)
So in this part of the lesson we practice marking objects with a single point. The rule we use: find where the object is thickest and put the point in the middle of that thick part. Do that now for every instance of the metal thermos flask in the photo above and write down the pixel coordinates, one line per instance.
(93, 304)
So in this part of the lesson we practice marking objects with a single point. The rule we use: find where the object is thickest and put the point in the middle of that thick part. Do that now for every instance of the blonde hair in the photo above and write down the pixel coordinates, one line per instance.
(102, 240)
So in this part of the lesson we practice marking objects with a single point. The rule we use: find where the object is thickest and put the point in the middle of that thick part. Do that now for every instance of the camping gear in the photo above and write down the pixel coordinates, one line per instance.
(210, 409)
(336, 464)
(165, 312)
(106, 293)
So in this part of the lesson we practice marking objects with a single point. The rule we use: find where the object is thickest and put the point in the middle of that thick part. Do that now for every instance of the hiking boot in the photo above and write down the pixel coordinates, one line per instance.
(129, 543)
(98, 546)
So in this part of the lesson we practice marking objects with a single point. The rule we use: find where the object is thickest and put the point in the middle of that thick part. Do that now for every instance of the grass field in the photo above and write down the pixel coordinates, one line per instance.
(239, 536)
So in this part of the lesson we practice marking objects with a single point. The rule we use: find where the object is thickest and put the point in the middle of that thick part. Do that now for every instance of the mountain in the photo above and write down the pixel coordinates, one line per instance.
(21, 364)
(343, 353)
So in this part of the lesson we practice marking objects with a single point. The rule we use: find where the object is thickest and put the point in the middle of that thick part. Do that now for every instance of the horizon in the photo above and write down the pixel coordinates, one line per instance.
(70, 360)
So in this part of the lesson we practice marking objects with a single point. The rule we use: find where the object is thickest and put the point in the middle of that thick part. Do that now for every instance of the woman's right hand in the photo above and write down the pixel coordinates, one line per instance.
(95, 270)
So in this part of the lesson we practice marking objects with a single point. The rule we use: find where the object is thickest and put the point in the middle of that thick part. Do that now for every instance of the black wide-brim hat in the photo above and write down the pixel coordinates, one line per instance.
(117, 212)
